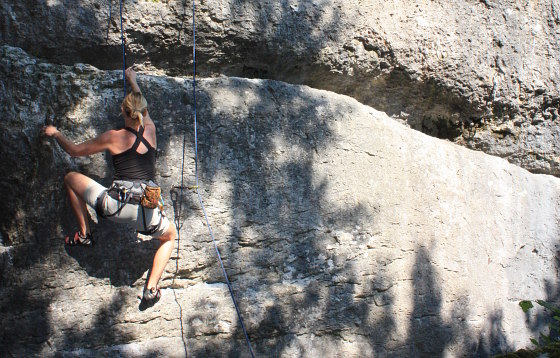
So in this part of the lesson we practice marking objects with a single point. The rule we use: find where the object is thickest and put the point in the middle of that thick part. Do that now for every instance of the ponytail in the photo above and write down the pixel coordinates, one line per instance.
(140, 118)
(134, 104)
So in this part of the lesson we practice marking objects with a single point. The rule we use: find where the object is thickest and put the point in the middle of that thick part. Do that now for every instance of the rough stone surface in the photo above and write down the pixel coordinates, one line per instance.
(484, 74)
(344, 233)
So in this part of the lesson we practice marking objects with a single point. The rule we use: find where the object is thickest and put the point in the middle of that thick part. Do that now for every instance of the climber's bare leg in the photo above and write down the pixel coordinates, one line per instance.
(167, 242)
(76, 184)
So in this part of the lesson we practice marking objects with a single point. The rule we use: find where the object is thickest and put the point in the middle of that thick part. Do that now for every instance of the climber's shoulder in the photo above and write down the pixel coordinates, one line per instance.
(114, 140)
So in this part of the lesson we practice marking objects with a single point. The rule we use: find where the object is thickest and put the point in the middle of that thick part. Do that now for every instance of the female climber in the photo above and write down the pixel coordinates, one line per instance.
(134, 153)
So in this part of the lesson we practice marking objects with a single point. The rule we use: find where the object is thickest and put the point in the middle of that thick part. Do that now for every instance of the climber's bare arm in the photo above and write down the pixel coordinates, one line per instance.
(130, 75)
(105, 141)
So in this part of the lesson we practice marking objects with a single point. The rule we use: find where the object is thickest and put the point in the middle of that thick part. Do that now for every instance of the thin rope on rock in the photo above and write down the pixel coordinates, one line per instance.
(123, 51)
(109, 20)
(196, 186)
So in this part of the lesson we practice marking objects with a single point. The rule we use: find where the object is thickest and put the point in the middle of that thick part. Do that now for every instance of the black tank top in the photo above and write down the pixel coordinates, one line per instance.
(131, 165)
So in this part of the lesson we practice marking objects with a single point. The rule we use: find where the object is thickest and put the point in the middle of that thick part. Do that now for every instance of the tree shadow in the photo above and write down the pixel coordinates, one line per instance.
(454, 332)
(32, 240)
(281, 225)
(118, 255)
(539, 320)
(102, 332)
(427, 309)
(19, 305)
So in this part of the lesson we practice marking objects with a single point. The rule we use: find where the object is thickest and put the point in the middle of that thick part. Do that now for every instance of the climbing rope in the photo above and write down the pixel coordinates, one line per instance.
(196, 187)
(109, 20)
(123, 52)
(178, 224)
(122, 40)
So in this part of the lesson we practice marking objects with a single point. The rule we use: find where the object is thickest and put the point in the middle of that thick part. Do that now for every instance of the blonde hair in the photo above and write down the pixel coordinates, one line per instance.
(134, 105)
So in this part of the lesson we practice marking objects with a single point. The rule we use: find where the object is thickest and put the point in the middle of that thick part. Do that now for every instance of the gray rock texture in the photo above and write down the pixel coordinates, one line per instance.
(484, 74)
(344, 233)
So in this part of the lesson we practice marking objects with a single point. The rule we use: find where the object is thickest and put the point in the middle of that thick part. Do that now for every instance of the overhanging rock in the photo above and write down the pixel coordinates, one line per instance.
(344, 233)
(484, 74)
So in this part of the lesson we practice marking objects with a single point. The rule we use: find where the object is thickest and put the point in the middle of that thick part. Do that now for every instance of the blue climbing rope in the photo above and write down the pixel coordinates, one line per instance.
(122, 40)
(109, 20)
(123, 52)
(198, 190)
(177, 219)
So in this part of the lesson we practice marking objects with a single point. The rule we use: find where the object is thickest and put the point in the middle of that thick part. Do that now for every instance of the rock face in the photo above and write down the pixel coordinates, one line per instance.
(344, 233)
(484, 74)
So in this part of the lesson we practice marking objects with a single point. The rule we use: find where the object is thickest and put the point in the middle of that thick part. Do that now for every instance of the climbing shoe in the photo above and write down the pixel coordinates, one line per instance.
(152, 295)
(149, 298)
(78, 240)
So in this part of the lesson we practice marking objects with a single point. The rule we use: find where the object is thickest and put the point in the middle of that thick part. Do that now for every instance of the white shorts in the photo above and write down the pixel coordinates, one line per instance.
(130, 214)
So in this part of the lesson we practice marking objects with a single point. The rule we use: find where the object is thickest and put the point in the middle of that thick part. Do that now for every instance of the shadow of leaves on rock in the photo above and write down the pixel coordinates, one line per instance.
(118, 255)
(280, 225)
(103, 330)
(426, 314)
(447, 331)
(288, 246)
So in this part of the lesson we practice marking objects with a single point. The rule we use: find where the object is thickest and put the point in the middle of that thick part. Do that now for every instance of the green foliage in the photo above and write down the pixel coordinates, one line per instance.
(547, 305)
(551, 351)
(550, 338)
(526, 305)
(547, 345)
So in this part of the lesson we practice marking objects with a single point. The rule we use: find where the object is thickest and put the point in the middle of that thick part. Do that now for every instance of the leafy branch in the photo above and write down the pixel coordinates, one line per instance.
(553, 326)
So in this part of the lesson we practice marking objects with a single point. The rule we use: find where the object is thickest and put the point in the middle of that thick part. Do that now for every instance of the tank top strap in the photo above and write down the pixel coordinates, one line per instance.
(139, 138)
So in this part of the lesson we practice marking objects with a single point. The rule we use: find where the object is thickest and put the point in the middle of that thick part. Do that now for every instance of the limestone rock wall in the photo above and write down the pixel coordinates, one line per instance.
(484, 74)
(344, 233)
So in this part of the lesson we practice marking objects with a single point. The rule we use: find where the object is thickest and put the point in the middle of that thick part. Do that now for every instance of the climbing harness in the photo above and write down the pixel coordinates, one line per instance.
(127, 192)
(118, 192)
(196, 187)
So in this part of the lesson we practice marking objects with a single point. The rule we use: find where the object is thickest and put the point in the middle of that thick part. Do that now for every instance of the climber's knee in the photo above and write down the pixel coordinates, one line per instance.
(77, 181)
(169, 235)
(69, 178)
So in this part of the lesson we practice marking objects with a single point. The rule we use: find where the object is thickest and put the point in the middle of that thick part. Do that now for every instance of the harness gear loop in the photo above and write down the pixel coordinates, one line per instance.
(123, 196)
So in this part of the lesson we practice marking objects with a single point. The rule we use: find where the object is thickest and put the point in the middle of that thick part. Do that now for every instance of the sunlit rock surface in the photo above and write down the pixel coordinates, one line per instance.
(483, 74)
(344, 233)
